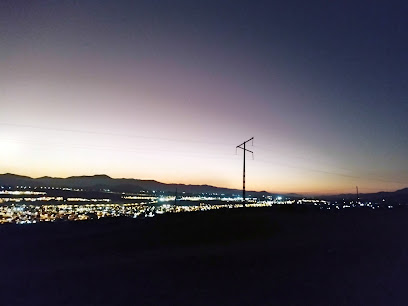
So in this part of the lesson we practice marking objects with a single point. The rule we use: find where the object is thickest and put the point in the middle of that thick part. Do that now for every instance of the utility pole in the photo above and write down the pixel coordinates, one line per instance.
(358, 199)
(243, 178)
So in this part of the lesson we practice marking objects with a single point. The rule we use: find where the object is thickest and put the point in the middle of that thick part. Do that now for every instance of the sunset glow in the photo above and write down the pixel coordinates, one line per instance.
(167, 91)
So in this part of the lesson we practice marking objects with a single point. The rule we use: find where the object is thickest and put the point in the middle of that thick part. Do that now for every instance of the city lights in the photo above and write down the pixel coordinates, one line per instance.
(30, 207)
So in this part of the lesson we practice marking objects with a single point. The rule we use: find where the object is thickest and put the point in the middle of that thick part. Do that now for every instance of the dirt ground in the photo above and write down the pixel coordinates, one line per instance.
(250, 256)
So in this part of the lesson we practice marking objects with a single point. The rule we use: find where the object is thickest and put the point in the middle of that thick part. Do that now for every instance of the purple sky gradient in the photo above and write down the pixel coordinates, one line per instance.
(165, 91)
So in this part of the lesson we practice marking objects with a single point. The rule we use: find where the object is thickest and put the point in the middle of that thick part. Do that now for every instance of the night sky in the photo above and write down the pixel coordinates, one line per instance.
(166, 90)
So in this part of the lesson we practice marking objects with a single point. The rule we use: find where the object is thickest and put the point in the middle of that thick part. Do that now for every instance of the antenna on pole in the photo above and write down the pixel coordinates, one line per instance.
(242, 146)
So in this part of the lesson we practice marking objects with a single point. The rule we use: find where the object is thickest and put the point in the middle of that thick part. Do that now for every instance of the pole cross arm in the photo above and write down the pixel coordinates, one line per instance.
(252, 138)
(245, 149)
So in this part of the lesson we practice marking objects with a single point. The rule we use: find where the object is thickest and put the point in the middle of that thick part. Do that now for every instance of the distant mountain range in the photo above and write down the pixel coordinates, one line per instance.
(103, 182)
(399, 196)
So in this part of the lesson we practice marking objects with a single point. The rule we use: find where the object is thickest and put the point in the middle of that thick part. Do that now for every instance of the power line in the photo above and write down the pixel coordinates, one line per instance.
(192, 154)
(75, 146)
(243, 177)
(379, 179)
(113, 134)
(114, 148)
(303, 158)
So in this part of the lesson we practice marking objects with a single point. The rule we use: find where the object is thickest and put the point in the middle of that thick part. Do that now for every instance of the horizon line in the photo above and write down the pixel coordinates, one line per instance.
(132, 178)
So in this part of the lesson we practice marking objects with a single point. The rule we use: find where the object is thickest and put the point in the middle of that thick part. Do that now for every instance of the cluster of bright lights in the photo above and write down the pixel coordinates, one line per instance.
(19, 192)
(354, 204)
(18, 206)
(42, 187)
(30, 199)
(26, 214)
(87, 200)
(139, 197)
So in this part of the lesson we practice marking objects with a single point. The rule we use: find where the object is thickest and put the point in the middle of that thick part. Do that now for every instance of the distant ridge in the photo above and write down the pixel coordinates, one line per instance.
(398, 196)
(404, 190)
(103, 181)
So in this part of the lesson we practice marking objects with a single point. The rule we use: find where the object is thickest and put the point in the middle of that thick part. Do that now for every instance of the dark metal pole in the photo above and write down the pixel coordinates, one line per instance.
(243, 147)
(243, 181)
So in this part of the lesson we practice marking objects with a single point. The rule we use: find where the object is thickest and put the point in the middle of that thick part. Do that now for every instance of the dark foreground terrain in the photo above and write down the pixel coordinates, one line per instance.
(229, 257)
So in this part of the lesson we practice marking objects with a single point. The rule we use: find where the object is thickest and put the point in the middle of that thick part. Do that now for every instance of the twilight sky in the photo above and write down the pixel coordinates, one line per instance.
(166, 90)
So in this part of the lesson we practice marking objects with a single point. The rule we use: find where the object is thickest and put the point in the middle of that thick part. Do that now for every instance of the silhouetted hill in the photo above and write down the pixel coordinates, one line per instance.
(13, 178)
(103, 182)
(395, 197)
(402, 191)
(259, 256)
(100, 182)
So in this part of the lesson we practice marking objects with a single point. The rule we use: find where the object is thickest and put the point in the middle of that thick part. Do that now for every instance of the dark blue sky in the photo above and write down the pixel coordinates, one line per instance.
(321, 85)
